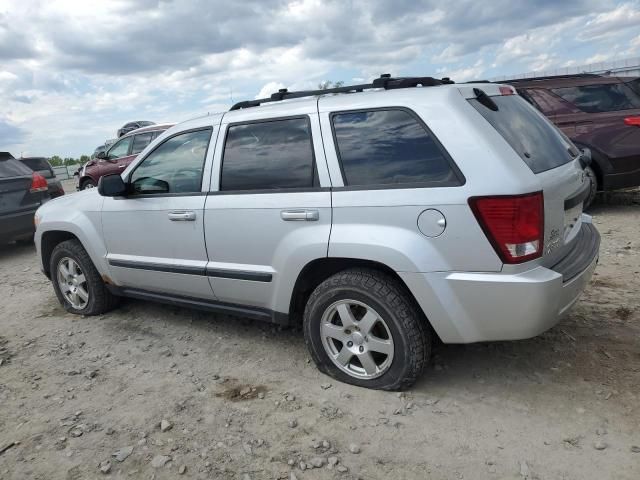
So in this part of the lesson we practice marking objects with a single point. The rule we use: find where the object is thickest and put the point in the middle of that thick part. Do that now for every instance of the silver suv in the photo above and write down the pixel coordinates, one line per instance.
(377, 215)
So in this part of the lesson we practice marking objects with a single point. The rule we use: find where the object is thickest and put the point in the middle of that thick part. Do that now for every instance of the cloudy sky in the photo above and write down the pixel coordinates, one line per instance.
(73, 71)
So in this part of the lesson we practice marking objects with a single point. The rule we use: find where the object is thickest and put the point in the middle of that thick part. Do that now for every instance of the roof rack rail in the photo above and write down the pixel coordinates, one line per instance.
(550, 77)
(385, 81)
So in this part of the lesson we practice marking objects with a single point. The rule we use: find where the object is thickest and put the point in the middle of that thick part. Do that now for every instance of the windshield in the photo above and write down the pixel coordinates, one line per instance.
(601, 98)
(536, 140)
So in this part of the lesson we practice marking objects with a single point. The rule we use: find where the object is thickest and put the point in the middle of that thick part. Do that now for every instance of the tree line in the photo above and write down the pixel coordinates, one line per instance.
(57, 161)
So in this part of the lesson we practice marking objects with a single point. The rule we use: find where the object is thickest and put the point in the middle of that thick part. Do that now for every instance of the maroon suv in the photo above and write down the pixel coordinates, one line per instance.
(598, 112)
(119, 155)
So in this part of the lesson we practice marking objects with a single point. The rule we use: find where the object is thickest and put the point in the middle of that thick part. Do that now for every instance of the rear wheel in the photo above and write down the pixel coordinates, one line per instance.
(76, 281)
(87, 184)
(363, 328)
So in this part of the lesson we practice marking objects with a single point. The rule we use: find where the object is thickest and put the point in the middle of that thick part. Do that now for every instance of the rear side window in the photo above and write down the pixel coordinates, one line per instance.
(389, 147)
(140, 142)
(13, 168)
(530, 134)
(600, 98)
(268, 155)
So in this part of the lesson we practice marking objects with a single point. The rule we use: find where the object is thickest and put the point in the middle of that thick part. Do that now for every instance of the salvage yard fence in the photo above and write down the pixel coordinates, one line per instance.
(64, 173)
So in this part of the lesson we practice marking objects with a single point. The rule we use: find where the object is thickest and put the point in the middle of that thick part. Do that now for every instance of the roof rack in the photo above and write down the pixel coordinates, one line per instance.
(384, 81)
(550, 77)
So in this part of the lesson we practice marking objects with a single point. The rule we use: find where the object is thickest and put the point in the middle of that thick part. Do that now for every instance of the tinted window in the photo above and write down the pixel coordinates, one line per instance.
(530, 134)
(175, 166)
(13, 168)
(36, 164)
(120, 149)
(386, 147)
(600, 98)
(140, 141)
(268, 155)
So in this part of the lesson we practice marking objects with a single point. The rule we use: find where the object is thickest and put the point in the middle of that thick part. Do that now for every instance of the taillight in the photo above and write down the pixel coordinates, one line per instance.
(38, 183)
(514, 224)
(634, 121)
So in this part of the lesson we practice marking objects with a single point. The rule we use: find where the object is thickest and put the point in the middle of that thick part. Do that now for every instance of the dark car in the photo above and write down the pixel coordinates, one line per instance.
(597, 112)
(131, 126)
(42, 166)
(119, 155)
(22, 191)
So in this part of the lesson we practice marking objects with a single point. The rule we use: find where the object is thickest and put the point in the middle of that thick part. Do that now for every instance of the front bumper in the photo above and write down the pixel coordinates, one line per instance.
(476, 307)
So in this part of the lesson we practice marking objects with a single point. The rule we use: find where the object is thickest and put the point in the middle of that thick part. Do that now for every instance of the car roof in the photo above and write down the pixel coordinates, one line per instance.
(567, 81)
(150, 128)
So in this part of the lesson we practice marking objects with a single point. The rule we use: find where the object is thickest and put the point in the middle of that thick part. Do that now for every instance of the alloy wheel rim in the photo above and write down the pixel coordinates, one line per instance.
(73, 283)
(357, 339)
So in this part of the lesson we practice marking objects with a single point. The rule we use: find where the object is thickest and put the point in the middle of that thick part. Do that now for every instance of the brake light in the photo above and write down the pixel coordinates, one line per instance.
(633, 121)
(506, 91)
(514, 224)
(38, 183)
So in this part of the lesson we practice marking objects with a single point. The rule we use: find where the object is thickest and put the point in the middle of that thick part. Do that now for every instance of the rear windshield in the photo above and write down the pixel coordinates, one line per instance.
(601, 98)
(13, 168)
(530, 134)
(36, 164)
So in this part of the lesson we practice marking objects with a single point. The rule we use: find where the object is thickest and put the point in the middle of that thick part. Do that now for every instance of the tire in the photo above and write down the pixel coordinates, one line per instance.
(367, 293)
(99, 298)
(591, 176)
(87, 184)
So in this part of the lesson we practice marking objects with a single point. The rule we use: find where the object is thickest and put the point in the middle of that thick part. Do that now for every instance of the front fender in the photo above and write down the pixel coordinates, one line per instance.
(80, 215)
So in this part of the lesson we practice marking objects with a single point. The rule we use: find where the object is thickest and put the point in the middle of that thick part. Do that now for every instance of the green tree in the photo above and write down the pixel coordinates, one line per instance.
(325, 85)
(55, 161)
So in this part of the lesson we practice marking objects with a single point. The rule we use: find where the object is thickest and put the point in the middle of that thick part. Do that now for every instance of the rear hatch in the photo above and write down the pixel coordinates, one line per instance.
(548, 153)
(15, 184)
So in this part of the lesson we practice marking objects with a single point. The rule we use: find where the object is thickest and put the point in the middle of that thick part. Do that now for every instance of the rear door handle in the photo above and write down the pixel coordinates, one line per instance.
(300, 215)
(182, 216)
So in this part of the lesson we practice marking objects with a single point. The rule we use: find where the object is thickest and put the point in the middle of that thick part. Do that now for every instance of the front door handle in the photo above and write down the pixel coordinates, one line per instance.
(300, 215)
(182, 216)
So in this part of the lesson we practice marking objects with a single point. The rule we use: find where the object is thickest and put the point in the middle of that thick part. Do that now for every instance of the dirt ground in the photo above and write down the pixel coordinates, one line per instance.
(241, 400)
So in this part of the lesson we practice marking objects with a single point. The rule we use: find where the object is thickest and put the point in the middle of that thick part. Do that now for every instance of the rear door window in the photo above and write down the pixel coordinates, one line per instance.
(530, 134)
(268, 155)
(140, 142)
(13, 168)
(600, 98)
(389, 147)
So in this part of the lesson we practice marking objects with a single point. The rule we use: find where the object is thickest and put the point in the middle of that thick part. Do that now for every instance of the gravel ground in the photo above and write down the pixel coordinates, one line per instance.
(150, 391)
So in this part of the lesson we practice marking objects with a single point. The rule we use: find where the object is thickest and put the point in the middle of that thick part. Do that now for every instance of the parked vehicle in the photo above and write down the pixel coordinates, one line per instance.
(131, 126)
(22, 191)
(116, 158)
(368, 216)
(597, 112)
(42, 166)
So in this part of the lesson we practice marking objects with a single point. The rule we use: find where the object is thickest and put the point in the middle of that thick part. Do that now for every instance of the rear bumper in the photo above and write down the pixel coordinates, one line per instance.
(17, 225)
(476, 307)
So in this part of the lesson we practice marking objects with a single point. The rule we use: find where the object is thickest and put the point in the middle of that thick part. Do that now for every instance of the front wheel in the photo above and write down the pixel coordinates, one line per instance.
(363, 328)
(76, 281)
(87, 184)
(591, 177)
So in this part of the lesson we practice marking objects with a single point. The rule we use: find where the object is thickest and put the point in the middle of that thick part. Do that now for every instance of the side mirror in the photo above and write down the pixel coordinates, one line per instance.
(112, 185)
(101, 155)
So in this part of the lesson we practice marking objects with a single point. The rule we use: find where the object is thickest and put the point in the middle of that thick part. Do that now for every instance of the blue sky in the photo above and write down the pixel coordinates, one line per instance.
(72, 72)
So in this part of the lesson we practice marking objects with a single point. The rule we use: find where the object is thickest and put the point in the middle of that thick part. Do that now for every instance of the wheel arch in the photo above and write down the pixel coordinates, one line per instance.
(85, 178)
(318, 270)
(48, 242)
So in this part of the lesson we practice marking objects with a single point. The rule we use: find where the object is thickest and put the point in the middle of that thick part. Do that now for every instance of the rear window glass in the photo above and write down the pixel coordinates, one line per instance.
(36, 164)
(530, 134)
(140, 142)
(389, 147)
(13, 168)
(600, 98)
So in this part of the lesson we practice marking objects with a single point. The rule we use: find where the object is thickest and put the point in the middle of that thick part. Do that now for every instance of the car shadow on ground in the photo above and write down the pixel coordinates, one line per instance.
(16, 248)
